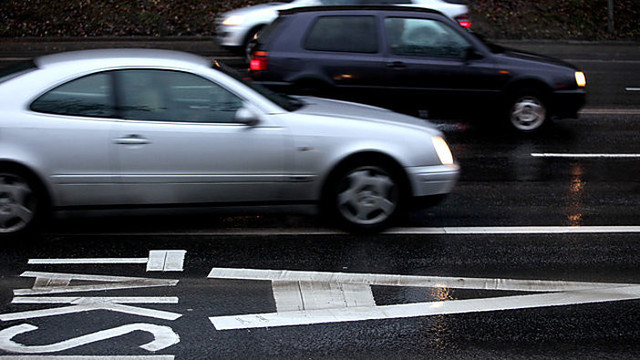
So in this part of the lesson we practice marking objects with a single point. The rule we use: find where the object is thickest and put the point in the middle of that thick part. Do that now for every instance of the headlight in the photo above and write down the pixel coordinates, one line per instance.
(442, 149)
(233, 20)
(581, 80)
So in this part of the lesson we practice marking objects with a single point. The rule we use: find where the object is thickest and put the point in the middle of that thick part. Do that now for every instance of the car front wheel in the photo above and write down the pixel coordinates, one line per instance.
(366, 198)
(528, 111)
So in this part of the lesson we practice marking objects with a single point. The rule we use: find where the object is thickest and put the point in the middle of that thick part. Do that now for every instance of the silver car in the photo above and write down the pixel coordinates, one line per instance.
(136, 128)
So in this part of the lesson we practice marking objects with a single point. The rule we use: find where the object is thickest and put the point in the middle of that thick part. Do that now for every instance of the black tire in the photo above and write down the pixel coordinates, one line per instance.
(364, 197)
(528, 110)
(22, 204)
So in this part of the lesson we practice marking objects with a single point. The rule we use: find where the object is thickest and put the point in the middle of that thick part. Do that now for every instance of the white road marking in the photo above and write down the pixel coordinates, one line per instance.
(633, 89)
(334, 287)
(94, 300)
(87, 357)
(163, 337)
(158, 260)
(406, 280)
(478, 230)
(405, 231)
(166, 260)
(619, 111)
(564, 155)
(85, 261)
(56, 283)
(115, 307)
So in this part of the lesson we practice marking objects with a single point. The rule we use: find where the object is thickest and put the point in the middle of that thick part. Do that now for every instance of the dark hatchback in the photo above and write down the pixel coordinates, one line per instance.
(412, 59)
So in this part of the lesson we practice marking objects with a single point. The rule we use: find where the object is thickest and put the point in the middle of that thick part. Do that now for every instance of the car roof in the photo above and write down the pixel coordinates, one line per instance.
(348, 8)
(115, 57)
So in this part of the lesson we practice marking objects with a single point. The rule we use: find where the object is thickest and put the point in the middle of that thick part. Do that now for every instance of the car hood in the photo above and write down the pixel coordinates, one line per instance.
(527, 56)
(360, 112)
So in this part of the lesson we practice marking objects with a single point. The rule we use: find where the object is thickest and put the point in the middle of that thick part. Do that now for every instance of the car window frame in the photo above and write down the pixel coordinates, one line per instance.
(315, 19)
(445, 23)
(112, 97)
(118, 95)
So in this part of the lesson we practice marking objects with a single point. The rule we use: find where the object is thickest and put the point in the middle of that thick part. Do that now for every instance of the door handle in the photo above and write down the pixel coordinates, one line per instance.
(132, 140)
(396, 65)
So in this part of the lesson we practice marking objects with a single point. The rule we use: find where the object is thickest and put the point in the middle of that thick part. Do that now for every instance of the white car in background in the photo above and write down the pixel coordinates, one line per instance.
(236, 28)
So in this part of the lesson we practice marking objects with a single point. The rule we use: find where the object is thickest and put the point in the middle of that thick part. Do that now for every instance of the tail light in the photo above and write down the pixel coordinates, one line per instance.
(259, 61)
(464, 20)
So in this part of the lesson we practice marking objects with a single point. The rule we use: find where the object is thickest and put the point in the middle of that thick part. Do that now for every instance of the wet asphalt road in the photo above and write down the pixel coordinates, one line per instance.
(507, 180)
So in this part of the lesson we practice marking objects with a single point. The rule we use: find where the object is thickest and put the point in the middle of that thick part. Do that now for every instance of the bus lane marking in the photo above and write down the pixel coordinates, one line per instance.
(305, 298)
(53, 283)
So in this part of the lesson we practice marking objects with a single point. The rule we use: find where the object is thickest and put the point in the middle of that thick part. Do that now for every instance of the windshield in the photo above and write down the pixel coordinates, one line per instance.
(16, 70)
(284, 101)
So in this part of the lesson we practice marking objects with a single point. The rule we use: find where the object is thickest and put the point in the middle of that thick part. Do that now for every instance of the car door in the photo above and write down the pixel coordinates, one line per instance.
(179, 143)
(70, 127)
(428, 60)
(345, 50)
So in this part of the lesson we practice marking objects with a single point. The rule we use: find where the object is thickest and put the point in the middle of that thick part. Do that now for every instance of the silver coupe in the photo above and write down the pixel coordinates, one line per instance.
(133, 128)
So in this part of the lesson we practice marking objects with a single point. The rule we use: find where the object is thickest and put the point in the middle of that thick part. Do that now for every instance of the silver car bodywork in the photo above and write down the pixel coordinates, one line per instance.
(279, 157)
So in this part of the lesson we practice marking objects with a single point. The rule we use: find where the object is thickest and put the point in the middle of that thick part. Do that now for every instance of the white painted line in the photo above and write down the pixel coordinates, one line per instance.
(424, 309)
(345, 297)
(479, 230)
(74, 309)
(633, 89)
(405, 280)
(87, 357)
(166, 260)
(81, 261)
(406, 231)
(158, 260)
(56, 283)
(610, 111)
(561, 155)
(94, 300)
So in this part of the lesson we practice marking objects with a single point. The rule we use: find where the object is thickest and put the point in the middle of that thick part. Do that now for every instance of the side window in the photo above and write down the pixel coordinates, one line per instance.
(424, 37)
(162, 95)
(343, 34)
(88, 96)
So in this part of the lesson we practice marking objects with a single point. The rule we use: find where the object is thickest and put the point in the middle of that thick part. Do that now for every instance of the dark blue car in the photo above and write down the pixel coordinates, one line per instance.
(412, 59)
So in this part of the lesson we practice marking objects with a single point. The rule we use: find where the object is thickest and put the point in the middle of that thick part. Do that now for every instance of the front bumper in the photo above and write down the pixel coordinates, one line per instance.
(433, 180)
(567, 103)
(231, 36)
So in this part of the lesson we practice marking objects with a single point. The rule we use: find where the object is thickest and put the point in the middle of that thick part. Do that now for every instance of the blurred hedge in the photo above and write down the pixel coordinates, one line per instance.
(506, 19)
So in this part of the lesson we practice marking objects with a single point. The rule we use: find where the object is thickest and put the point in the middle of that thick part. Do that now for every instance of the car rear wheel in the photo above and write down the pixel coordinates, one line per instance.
(20, 203)
(528, 111)
(365, 198)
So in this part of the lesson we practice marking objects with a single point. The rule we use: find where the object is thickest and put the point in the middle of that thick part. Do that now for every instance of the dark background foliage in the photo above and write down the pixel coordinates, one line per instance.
(500, 19)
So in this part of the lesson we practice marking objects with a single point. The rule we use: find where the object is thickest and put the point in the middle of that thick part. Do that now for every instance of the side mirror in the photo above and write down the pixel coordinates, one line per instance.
(247, 117)
(471, 54)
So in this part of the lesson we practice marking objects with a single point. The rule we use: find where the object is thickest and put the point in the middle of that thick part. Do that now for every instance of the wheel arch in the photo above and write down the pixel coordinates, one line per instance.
(363, 157)
(526, 83)
(32, 175)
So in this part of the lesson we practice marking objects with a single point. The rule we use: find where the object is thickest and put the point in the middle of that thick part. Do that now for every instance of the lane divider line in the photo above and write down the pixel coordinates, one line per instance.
(584, 155)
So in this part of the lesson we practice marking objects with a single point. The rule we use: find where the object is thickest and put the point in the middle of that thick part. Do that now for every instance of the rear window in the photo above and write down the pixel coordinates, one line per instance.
(356, 34)
(16, 70)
